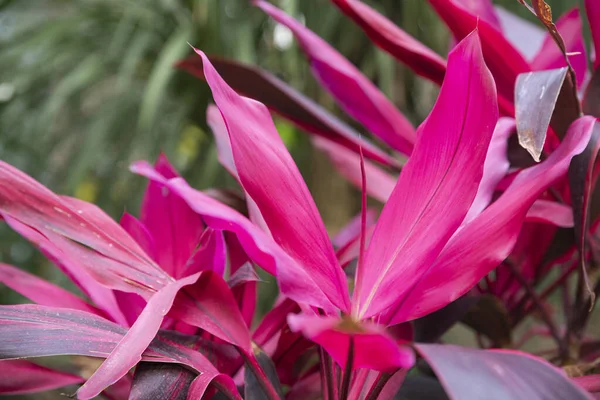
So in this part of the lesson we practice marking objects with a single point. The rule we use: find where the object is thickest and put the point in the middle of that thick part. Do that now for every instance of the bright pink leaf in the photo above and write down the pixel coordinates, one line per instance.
(379, 182)
(497, 375)
(483, 9)
(129, 350)
(139, 233)
(245, 295)
(175, 228)
(352, 90)
(294, 280)
(551, 212)
(269, 175)
(373, 348)
(385, 34)
(569, 26)
(22, 377)
(211, 254)
(430, 201)
(484, 243)
(42, 292)
(592, 8)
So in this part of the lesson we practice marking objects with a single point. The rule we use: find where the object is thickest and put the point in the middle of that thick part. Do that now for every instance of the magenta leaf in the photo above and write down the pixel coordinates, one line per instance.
(210, 305)
(484, 243)
(385, 34)
(352, 90)
(269, 175)
(550, 56)
(281, 98)
(210, 254)
(22, 377)
(516, 28)
(373, 347)
(161, 381)
(138, 231)
(536, 94)
(174, 226)
(42, 292)
(294, 280)
(483, 9)
(592, 8)
(497, 375)
(551, 212)
(129, 350)
(245, 293)
(431, 200)
(379, 182)
(503, 60)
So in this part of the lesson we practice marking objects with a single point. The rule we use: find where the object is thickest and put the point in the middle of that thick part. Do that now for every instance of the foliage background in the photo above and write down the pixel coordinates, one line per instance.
(87, 86)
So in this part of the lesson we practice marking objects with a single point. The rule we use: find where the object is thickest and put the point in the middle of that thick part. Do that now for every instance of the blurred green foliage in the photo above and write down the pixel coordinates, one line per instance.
(87, 86)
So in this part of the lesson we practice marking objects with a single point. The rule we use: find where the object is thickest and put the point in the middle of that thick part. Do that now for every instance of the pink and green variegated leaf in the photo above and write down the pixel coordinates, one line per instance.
(380, 183)
(294, 281)
(536, 94)
(161, 381)
(130, 349)
(503, 60)
(592, 9)
(174, 226)
(551, 212)
(42, 292)
(373, 347)
(210, 305)
(211, 254)
(497, 375)
(430, 201)
(516, 28)
(550, 56)
(358, 96)
(484, 243)
(269, 175)
(495, 167)
(385, 34)
(286, 101)
(79, 231)
(23, 377)
(483, 9)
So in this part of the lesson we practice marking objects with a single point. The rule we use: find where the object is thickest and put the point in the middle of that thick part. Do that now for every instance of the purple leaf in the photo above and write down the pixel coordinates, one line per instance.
(484, 243)
(379, 182)
(373, 348)
(42, 292)
(294, 281)
(161, 381)
(22, 377)
(252, 388)
(352, 90)
(262, 86)
(385, 34)
(430, 201)
(536, 94)
(269, 175)
(497, 375)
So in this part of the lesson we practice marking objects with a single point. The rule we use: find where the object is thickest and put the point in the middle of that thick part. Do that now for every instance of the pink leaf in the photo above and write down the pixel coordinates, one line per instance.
(286, 101)
(139, 233)
(503, 60)
(294, 280)
(484, 243)
(373, 348)
(497, 375)
(592, 8)
(22, 377)
(269, 175)
(431, 200)
(516, 28)
(352, 229)
(129, 350)
(352, 90)
(569, 26)
(245, 294)
(42, 292)
(551, 212)
(483, 9)
(211, 254)
(385, 34)
(379, 182)
(175, 228)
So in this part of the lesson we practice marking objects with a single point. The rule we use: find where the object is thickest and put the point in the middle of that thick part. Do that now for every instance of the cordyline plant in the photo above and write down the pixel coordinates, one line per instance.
(464, 235)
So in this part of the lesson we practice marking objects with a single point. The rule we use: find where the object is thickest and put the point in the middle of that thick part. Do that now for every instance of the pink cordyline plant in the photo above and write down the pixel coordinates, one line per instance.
(173, 293)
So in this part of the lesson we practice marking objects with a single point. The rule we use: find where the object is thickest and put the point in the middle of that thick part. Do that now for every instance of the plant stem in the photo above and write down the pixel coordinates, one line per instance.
(347, 371)
(378, 386)
(327, 373)
(260, 375)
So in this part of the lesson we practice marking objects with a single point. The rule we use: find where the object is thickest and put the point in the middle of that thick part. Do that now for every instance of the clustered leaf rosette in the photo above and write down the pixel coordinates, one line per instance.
(173, 293)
